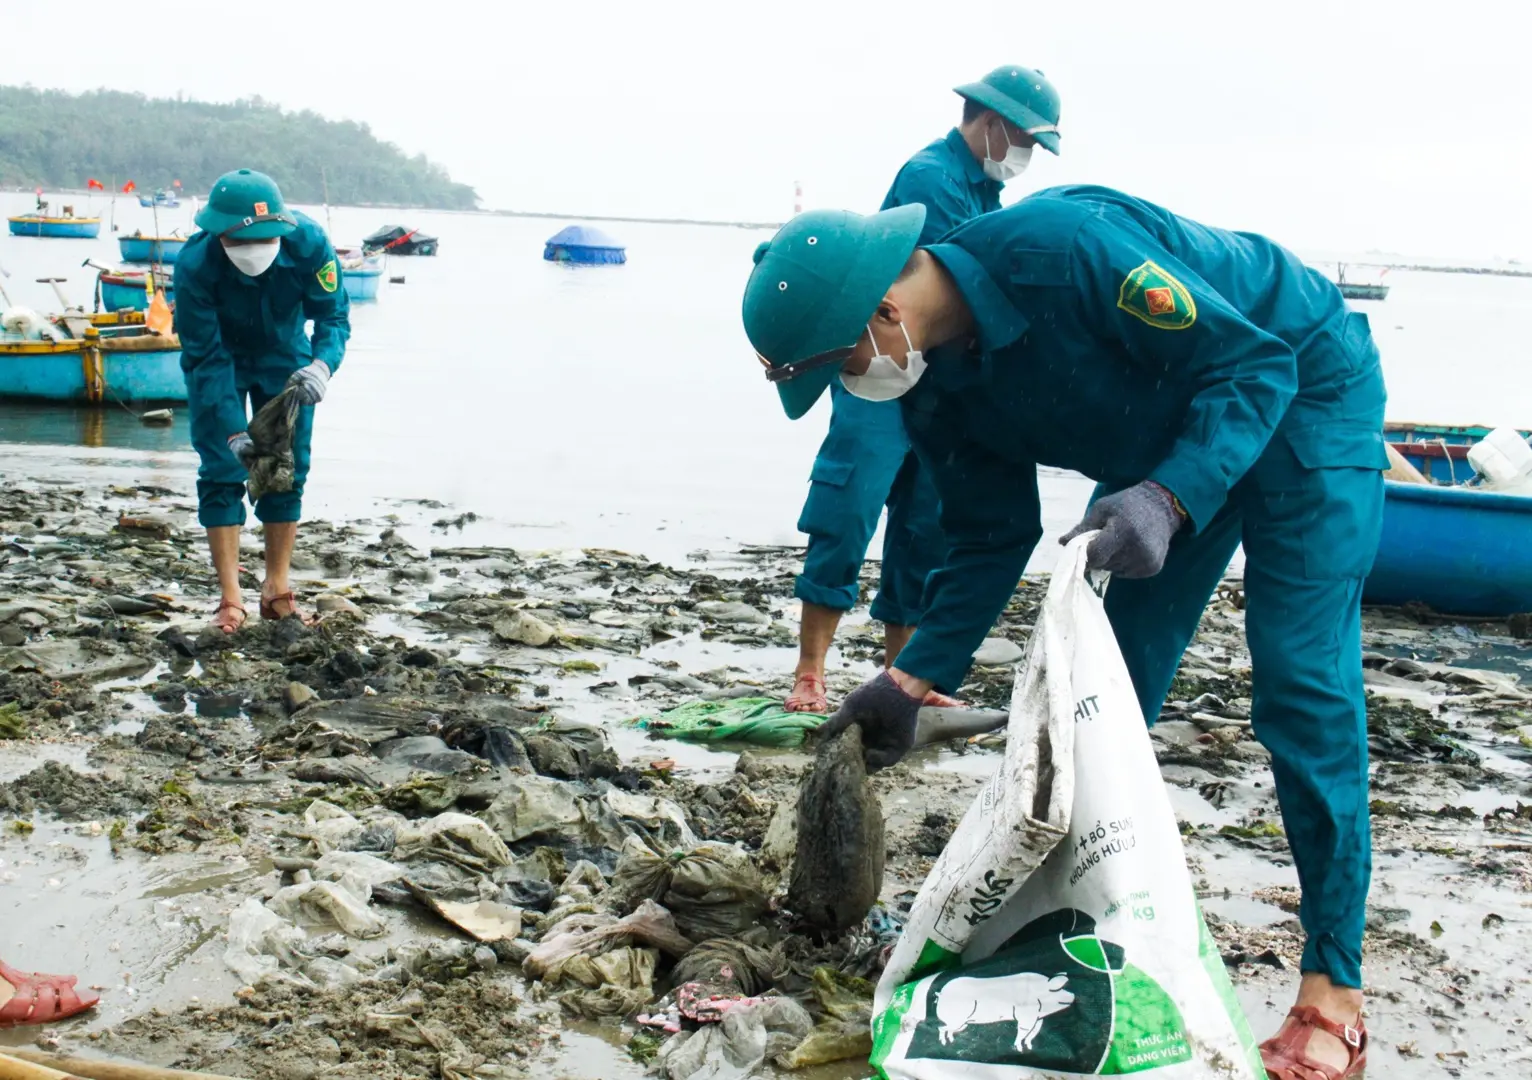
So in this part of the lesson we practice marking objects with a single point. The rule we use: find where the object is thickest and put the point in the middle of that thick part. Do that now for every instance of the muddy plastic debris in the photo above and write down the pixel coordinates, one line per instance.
(427, 753)
(838, 865)
(451, 837)
(343, 902)
(591, 934)
(498, 744)
(521, 628)
(713, 890)
(750, 1034)
(730, 967)
(569, 750)
(844, 1030)
(271, 429)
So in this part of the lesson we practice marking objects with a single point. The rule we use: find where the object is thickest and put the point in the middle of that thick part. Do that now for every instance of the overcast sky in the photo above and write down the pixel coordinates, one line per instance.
(1329, 124)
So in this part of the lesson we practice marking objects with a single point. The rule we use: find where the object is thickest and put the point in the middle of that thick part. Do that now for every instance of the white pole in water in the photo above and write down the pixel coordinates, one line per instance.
(797, 197)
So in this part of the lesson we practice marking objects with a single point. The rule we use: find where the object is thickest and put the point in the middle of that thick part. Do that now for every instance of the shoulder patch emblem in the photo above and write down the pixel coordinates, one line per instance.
(328, 277)
(1150, 294)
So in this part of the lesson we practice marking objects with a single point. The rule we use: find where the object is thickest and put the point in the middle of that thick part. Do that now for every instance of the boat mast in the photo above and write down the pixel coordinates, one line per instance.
(325, 186)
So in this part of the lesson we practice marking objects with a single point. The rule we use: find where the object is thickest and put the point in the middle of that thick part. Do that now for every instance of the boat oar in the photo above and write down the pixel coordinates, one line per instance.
(50, 1066)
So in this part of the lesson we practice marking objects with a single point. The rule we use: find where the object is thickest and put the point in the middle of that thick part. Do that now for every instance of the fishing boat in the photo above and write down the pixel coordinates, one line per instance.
(139, 248)
(1355, 290)
(132, 366)
(1458, 548)
(124, 290)
(361, 273)
(397, 240)
(159, 198)
(68, 226)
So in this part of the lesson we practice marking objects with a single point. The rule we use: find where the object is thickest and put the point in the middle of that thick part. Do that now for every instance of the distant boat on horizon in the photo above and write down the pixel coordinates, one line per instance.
(1354, 290)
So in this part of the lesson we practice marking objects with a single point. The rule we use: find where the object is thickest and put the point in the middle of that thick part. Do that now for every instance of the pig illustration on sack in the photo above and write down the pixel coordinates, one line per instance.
(1025, 998)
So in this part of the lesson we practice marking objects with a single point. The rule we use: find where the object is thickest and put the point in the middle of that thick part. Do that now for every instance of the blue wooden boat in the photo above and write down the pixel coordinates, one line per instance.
(79, 228)
(159, 198)
(1456, 548)
(131, 367)
(124, 291)
(150, 249)
(362, 282)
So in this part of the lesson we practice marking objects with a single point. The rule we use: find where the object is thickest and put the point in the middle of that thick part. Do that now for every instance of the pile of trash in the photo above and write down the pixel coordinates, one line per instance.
(434, 840)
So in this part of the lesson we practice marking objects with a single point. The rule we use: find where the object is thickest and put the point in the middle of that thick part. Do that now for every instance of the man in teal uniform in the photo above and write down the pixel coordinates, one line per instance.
(245, 286)
(1218, 390)
(866, 461)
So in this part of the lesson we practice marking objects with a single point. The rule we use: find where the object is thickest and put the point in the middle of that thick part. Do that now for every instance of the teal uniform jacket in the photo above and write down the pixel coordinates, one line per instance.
(1117, 339)
(865, 461)
(241, 338)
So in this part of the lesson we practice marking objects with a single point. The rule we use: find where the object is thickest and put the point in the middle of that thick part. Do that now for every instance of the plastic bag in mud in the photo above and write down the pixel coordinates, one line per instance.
(271, 430)
(1058, 933)
(713, 890)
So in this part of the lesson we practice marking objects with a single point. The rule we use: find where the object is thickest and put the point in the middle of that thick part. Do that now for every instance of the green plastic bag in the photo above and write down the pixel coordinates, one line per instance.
(758, 720)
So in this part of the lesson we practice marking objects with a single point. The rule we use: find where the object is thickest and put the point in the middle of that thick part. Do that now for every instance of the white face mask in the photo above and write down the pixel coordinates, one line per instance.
(1009, 167)
(885, 380)
(253, 260)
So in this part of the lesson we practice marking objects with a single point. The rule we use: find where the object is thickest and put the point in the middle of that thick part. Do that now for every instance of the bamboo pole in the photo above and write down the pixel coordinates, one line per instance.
(88, 1069)
(13, 1068)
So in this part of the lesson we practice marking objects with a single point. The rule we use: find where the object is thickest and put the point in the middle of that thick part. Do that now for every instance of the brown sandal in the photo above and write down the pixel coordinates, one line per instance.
(269, 608)
(1285, 1054)
(230, 605)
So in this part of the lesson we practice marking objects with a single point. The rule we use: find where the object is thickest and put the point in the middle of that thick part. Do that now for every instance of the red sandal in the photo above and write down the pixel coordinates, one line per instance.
(269, 608)
(1285, 1054)
(42, 999)
(938, 700)
(808, 695)
(230, 605)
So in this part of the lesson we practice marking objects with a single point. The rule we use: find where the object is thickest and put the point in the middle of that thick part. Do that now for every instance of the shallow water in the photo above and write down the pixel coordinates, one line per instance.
(622, 406)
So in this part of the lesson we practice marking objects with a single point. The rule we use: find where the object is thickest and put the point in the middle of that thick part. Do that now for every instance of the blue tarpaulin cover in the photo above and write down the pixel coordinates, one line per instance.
(583, 244)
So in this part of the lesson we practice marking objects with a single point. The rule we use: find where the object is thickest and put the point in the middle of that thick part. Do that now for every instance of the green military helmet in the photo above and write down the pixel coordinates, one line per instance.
(815, 286)
(1024, 97)
(247, 205)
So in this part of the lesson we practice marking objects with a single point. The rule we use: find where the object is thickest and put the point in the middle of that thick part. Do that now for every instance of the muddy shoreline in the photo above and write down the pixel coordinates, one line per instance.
(157, 779)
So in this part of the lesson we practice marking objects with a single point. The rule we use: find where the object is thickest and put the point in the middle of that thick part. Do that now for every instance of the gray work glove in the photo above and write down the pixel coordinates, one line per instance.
(886, 715)
(244, 449)
(1136, 525)
(310, 382)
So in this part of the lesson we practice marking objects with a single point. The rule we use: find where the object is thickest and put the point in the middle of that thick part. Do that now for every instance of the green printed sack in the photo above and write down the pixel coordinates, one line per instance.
(1058, 934)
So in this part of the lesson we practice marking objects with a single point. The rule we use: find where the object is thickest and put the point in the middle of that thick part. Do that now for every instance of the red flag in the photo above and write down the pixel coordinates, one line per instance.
(129, 186)
(94, 185)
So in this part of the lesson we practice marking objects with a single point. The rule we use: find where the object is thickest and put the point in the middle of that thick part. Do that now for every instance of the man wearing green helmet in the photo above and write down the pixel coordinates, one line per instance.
(1219, 391)
(866, 462)
(245, 286)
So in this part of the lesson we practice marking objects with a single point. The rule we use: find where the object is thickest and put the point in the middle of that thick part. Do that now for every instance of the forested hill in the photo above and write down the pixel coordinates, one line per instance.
(53, 139)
